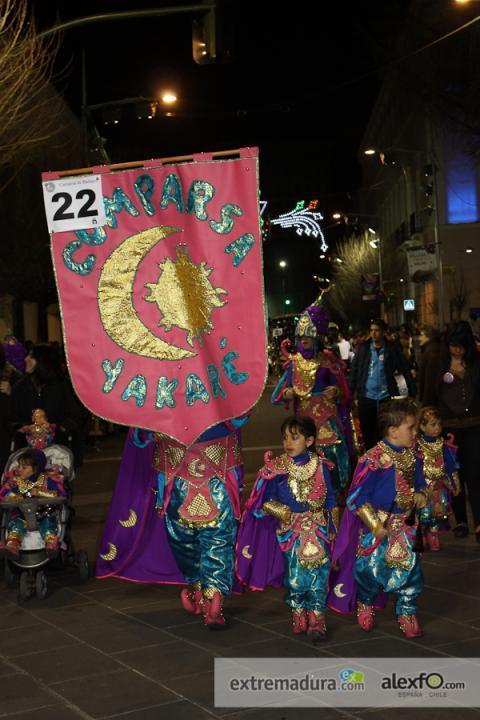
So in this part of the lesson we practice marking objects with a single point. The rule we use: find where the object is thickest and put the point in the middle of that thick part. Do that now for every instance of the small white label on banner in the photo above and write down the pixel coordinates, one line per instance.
(74, 203)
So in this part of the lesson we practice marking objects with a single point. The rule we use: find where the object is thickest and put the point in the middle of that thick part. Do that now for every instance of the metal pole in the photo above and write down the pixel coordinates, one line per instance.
(438, 254)
(380, 279)
(436, 225)
(127, 15)
(84, 108)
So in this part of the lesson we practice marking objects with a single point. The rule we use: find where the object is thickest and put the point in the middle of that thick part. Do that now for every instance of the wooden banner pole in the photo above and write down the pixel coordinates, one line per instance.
(146, 163)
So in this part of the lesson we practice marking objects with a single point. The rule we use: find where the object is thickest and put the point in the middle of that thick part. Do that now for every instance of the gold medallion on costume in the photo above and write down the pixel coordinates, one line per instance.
(311, 552)
(398, 553)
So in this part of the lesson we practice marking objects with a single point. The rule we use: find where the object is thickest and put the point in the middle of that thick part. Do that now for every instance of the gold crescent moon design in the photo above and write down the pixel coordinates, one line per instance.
(246, 552)
(131, 520)
(196, 468)
(111, 554)
(115, 286)
(338, 591)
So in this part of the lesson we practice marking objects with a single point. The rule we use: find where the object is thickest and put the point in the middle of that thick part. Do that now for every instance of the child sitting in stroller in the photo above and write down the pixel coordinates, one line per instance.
(40, 433)
(31, 479)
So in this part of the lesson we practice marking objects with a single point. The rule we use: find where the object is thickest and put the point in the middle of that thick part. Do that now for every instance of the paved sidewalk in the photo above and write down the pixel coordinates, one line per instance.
(112, 649)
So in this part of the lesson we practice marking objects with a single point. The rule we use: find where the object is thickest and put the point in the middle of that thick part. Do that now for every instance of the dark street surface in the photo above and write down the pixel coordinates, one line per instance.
(112, 649)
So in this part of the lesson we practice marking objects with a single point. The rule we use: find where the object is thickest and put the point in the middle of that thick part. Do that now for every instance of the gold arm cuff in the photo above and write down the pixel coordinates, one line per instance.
(367, 515)
(277, 509)
(47, 494)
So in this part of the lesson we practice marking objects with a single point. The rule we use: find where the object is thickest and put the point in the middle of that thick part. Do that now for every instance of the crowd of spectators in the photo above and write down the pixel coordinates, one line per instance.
(437, 369)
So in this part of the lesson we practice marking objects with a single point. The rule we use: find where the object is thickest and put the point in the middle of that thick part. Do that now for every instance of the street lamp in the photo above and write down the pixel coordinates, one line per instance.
(430, 155)
(282, 264)
(168, 97)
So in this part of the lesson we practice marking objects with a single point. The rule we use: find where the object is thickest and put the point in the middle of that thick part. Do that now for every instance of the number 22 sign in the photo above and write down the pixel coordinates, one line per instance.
(74, 203)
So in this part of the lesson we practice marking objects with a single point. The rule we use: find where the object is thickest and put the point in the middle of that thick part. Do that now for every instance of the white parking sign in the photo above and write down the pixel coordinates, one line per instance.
(74, 203)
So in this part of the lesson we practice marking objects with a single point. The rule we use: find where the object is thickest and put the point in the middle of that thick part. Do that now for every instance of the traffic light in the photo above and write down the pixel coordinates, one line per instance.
(428, 182)
(428, 188)
(204, 36)
(212, 33)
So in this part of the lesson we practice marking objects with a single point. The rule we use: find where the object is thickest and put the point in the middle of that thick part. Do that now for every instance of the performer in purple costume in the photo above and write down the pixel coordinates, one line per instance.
(314, 385)
(374, 553)
(291, 512)
(173, 517)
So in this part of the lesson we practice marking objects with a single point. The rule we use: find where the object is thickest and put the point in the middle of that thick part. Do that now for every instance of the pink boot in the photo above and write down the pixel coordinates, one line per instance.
(51, 545)
(433, 540)
(365, 616)
(317, 629)
(191, 601)
(212, 611)
(299, 621)
(13, 544)
(409, 625)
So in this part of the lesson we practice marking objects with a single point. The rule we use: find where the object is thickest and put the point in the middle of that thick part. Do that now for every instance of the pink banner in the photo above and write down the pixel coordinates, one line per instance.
(163, 307)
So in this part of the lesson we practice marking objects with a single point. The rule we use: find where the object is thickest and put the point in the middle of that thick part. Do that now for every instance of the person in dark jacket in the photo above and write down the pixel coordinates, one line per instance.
(456, 392)
(372, 378)
(429, 361)
(9, 377)
(45, 387)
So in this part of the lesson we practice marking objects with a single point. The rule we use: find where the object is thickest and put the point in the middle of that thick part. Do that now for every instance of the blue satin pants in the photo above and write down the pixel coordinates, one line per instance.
(204, 555)
(47, 526)
(306, 587)
(372, 574)
(428, 519)
(338, 454)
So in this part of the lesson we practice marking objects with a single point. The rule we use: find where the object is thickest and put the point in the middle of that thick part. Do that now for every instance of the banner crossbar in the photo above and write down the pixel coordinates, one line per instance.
(155, 162)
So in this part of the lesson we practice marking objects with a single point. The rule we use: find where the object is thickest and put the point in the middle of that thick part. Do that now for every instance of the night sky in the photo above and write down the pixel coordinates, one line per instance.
(300, 86)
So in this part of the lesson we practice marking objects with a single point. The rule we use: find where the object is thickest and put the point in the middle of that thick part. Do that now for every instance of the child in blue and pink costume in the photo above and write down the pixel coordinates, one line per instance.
(374, 554)
(291, 513)
(439, 466)
(174, 516)
(314, 385)
(30, 478)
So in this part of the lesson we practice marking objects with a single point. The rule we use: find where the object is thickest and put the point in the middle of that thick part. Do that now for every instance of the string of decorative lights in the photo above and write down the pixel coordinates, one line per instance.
(304, 220)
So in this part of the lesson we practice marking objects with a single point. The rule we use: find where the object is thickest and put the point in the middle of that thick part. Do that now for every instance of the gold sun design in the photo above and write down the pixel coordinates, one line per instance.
(185, 296)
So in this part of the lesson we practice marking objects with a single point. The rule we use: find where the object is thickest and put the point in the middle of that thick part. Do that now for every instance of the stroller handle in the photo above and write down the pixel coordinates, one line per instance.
(29, 507)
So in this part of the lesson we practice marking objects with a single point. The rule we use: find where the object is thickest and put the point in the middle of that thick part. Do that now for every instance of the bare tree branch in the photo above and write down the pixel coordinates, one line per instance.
(358, 258)
(28, 109)
(458, 292)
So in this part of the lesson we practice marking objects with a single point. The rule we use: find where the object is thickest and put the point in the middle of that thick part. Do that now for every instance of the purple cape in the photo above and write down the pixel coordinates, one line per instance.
(134, 545)
(259, 560)
(342, 592)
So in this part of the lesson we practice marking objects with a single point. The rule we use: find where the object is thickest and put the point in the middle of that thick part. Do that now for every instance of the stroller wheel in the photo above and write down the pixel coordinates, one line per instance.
(10, 577)
(25, 589)
(41, 584)
(82, 564)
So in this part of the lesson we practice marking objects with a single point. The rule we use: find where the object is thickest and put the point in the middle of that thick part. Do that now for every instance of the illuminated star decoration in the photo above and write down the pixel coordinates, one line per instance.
(304, 221)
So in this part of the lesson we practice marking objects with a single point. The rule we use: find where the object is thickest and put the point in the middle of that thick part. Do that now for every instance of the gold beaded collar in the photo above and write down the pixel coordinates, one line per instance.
(404, 460)
(300, 477)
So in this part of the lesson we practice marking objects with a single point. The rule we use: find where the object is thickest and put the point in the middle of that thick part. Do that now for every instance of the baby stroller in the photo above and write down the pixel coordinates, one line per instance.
(28, 565)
